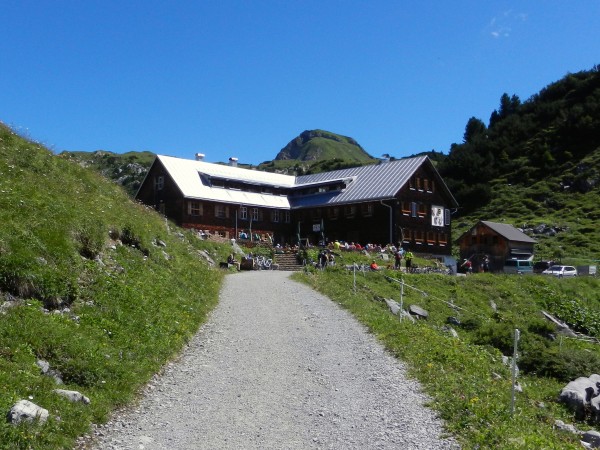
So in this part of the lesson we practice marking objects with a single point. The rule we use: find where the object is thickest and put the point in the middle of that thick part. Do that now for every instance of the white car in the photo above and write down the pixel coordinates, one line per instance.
(561, 271)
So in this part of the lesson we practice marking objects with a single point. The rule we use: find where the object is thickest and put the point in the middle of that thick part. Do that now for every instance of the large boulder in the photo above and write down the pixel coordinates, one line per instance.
(582, 394)
(204, 254)
(393, 305)
(591, 437)
(26, 411)
(418, 311)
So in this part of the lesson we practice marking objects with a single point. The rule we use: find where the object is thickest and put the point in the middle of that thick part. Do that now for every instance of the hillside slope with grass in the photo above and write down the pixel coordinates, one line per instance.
(126, 169)
(99, 288)
(457, 351)
(536, 165)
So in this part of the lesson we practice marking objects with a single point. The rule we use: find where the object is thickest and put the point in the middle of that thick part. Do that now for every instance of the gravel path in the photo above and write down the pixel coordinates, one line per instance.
(278, 366)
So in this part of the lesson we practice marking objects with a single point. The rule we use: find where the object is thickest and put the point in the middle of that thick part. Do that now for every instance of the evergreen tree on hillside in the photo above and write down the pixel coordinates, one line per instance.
(525, 142)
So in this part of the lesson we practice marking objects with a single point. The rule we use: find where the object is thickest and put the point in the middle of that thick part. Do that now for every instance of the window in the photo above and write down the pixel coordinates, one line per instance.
(255, 214)
(405, 207)
(419, 236)
(430, 238)
(243, 212)
(275, 215)
(287, 217)
(422, 210)
(413, 209)
(221, 211)
(447, 216)
(315, 213)
(159, 182)
(432, 186)
(350, 211)
(419, 188)
(411, 183)
(426, 184)
(367, 209)
(194, 208)
(334, 213)
(442, 239)
(407, 235)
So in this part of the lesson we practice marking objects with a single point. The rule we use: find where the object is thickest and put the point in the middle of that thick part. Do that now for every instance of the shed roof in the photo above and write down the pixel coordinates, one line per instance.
(508, 231)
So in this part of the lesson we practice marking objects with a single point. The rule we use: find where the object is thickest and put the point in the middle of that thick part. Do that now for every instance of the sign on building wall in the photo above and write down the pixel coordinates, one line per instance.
(437, 216)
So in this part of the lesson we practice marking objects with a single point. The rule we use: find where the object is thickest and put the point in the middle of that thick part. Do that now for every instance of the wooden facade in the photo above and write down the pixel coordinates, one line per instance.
(497, 241)
(417, 214)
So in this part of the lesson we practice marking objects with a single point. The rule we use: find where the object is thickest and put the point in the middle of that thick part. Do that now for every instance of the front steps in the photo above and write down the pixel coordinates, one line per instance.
(287, 261)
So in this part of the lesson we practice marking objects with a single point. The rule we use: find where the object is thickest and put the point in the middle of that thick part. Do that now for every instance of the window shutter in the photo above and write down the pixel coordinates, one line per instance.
(447, 216)
(413, 209)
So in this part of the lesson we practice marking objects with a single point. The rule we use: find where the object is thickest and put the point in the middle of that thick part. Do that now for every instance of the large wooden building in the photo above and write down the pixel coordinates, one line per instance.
(395, 201)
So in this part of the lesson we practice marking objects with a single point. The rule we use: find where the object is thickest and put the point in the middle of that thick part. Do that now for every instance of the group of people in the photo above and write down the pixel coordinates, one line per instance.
(352, 246)
(467, 265)
(326, 258)
(399, 255)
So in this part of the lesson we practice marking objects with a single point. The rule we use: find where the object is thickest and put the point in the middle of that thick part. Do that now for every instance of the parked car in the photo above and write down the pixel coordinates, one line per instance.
(540, 266)
(561, 271)
(519, 266)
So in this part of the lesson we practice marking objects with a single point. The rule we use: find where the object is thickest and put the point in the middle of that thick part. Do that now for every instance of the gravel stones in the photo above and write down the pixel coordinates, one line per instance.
(278, 366)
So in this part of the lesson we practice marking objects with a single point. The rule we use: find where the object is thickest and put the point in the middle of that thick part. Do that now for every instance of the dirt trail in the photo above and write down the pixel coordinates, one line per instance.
(278, 366)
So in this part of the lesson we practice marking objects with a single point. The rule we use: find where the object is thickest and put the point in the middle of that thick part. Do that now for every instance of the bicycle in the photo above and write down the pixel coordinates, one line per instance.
(262, 262)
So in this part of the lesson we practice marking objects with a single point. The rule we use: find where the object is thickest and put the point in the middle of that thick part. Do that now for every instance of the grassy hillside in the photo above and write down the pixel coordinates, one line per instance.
(465, 376)
(101, 288)
(536, 163)
(126, 169)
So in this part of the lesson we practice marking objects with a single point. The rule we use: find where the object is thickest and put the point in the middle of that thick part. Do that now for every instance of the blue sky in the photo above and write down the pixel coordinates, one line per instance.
(243, 78)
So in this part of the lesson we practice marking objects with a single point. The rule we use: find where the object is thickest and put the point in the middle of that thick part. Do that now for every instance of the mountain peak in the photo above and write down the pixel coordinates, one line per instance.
(316, 145)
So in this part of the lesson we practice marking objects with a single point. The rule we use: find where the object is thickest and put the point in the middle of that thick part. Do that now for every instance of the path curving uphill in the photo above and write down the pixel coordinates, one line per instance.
(278, 366)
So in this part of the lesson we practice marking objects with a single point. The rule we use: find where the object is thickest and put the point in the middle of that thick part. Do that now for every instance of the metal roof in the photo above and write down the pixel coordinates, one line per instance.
(366, 183)
(373, 182)
(508, 231)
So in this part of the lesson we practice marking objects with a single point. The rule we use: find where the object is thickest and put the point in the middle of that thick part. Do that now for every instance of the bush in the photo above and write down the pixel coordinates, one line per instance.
(564, 366)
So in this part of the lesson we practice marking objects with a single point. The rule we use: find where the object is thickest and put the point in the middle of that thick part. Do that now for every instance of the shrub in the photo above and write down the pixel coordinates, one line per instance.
(564, 366)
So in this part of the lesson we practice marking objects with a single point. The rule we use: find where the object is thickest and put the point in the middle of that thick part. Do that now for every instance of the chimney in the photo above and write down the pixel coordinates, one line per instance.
(199, 156)
(233, 161)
